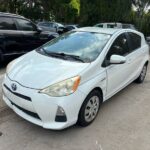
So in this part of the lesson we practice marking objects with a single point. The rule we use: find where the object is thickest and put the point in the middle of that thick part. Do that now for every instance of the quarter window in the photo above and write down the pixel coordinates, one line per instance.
(126, 26)
(7, 24)
(119, 47)
(111, 25)
(25, 25)
(135, 41)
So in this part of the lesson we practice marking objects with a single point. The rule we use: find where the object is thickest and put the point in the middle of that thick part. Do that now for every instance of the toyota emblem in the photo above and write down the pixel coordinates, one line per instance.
(14, 87)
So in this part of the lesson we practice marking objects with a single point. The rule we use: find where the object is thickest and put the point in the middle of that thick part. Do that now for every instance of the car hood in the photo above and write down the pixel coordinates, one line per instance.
(37, 71)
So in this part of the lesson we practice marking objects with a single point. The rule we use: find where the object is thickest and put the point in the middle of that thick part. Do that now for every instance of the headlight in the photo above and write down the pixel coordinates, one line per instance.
(63, 88)
(9, 66)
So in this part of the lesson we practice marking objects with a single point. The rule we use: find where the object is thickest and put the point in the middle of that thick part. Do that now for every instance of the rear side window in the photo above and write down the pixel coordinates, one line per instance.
(126, 26)
(7, 24)
(135, 41)
(99, 25)
(111, 25)
(25, 25)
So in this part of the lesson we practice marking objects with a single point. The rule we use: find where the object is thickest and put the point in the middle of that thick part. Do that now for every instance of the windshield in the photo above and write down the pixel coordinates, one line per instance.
(85, 45)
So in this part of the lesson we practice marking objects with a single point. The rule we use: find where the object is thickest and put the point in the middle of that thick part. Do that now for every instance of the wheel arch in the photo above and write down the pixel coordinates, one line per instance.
(146, 63)
(97, 89)
(94, 89)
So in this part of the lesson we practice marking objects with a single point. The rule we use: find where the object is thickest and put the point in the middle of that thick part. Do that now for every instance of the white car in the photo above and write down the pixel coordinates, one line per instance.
(66, 80)
(115, 25)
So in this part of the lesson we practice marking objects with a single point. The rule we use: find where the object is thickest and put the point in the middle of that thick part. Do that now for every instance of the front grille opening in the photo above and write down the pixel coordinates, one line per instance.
(32, 114)
(18, 94)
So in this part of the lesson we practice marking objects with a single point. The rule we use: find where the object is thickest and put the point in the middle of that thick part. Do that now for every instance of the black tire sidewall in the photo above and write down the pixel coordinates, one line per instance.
(81, 117)
(139, 79)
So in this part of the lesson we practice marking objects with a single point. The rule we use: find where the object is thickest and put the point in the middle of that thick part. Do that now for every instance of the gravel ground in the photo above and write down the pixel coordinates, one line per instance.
(123, 123)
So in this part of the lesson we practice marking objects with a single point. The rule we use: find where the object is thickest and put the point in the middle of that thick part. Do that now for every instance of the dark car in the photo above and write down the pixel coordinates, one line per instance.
(19, 35)
(71, 27)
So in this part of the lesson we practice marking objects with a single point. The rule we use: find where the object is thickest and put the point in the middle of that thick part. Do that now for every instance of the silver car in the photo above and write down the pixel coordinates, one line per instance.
(50, 26)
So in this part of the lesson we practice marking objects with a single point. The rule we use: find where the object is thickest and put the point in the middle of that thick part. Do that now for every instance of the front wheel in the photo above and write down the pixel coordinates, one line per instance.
(142, 76)
(90, 108)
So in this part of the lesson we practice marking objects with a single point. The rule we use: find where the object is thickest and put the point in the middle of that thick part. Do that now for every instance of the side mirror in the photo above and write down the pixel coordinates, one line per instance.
(39, 30)
(117, 59)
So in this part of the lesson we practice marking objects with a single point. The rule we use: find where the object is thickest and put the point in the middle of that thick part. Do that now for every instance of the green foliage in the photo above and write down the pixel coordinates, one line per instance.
(104, 11)
(64, 10)
(85, 12)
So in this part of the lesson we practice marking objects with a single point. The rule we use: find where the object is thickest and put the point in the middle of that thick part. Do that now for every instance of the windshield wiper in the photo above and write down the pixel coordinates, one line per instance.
(63, 55)
(72, 56)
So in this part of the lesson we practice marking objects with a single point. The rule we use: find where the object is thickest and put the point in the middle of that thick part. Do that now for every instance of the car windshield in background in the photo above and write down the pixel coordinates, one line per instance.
(85, 46)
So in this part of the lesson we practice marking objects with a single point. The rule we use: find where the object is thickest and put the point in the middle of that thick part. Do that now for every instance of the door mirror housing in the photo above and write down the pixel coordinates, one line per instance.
(117, 59)
(39, 30)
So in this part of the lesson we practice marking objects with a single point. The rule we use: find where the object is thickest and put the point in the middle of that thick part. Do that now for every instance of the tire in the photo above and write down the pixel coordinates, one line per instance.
(142, 76)
(90, 108)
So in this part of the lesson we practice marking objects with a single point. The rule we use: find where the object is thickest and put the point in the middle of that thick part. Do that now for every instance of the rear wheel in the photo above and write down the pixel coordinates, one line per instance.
(141, 78)
(90, 108)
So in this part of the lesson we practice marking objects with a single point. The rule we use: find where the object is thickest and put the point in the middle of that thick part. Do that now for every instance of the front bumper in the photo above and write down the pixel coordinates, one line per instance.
(41, 109)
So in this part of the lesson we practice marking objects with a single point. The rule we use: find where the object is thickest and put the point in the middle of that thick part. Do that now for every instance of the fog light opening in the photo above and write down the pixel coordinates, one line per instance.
(60, 115)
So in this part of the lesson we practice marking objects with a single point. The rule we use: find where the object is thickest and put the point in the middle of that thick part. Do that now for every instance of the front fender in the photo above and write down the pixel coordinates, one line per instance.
(99, 81)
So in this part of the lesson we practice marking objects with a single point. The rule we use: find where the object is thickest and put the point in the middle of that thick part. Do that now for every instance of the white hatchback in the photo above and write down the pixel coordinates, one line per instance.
(66, 80)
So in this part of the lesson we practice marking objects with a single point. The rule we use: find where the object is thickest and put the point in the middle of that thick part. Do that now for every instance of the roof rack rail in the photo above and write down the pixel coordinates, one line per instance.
(7, 14)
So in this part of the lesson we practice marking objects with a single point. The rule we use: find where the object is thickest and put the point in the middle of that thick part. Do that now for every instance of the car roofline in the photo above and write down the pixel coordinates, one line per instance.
(98, 30)
(10, 15)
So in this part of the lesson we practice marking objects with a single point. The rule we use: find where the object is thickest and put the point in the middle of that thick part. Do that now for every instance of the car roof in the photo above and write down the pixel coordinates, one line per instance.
(110, 23)
(99, 30)
(114, 23)
(10, 15)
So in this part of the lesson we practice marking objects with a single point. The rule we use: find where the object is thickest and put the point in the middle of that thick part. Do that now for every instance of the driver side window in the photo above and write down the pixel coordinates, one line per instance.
(25, 25)
(119, 47)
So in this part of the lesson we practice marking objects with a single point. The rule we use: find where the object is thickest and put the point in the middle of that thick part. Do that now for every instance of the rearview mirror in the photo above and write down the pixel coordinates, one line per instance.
(117, 59)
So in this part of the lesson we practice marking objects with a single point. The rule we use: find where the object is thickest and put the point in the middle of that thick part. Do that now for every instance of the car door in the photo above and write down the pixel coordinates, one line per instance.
(117, 74)
(10, 38)
(31, 36)
(136, 54)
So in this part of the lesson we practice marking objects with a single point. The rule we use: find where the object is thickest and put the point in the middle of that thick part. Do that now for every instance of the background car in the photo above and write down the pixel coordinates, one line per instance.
(19, 35)
(71, 27)
(50, 26)
(115, 25)
(148, 40)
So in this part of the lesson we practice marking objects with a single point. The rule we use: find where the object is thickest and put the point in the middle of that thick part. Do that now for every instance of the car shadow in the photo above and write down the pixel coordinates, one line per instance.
(5, 62)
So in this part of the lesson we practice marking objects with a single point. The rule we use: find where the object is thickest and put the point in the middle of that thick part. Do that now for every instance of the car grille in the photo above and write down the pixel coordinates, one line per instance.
(32, 114)
(18, 94)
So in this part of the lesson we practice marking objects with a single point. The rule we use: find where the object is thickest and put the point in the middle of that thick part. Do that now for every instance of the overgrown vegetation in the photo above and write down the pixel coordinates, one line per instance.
(84, 12)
